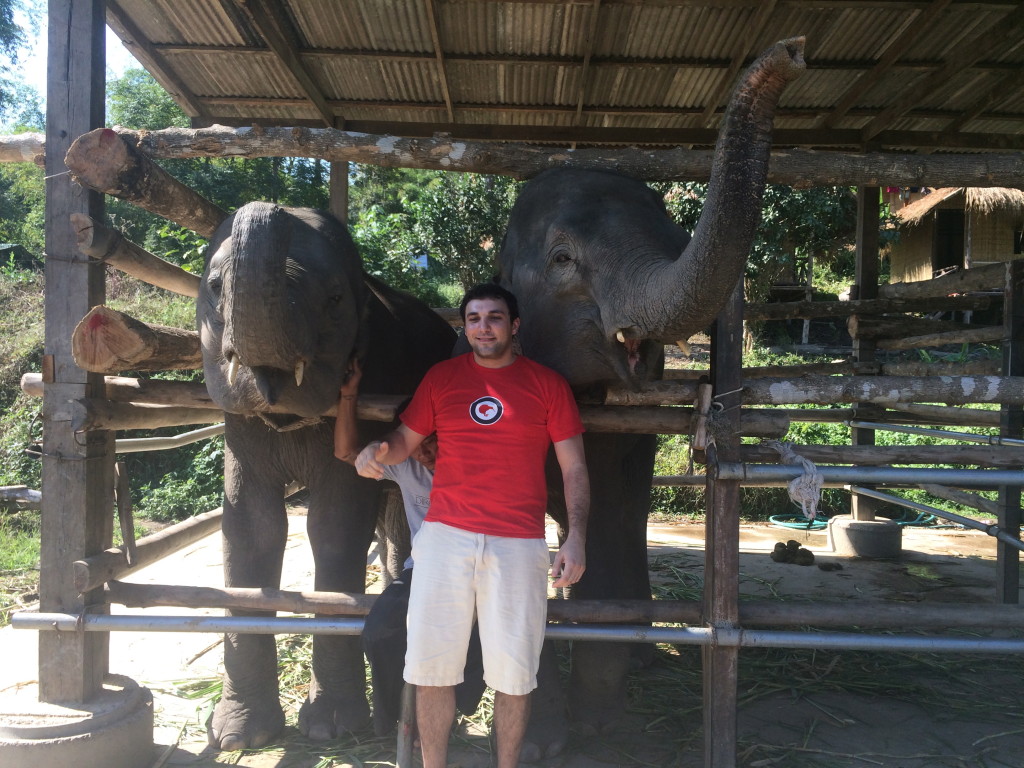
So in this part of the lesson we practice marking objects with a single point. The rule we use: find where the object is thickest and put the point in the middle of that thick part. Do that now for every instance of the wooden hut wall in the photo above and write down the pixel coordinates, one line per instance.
(992, 235)
(910, 259)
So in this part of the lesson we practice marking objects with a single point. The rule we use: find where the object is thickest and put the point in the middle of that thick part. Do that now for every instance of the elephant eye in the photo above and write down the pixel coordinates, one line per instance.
(561, 256)
(214, 283)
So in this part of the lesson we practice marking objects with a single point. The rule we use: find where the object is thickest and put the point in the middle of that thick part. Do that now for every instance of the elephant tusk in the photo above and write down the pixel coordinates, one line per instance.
(300, 368)
(684, 347)
(232, 369)
(621, 337)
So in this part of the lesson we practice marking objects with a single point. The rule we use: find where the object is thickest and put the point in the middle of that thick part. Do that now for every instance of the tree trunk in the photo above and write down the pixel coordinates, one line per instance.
(101, 161)
(105, 244)
(108, 341)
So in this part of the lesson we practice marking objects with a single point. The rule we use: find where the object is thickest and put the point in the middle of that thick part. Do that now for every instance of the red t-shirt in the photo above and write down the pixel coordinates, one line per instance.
(494, 426)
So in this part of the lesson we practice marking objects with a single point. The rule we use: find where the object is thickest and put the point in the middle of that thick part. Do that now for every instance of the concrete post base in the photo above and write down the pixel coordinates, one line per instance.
(115, 730)
(876, 539)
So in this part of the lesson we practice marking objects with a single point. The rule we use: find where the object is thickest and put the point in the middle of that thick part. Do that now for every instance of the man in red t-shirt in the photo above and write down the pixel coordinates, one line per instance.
(481, 550)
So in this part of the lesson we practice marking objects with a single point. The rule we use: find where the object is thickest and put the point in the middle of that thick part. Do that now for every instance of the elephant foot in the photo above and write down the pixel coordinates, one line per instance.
(545, 738)
(547, 733)
(591, 720)
(236, 724)
(325, 717)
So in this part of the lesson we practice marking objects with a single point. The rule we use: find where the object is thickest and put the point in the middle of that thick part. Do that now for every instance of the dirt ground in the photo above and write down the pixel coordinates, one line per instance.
(797, 708)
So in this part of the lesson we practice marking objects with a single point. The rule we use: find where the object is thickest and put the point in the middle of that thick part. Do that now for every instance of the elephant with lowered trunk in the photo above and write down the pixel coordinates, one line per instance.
(283, 308)
(604, 279)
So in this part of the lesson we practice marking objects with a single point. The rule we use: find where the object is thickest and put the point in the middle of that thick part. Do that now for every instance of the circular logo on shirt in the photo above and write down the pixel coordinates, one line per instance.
(486, 410)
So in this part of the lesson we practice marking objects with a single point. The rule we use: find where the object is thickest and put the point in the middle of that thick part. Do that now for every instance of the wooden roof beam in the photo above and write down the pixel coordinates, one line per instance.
(1006, 30)
(280, 36)
(442, 68)
(868, 80)
(152, 59)
(994, 95)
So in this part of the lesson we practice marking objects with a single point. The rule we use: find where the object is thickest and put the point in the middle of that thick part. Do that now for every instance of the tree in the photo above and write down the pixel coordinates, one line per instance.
(461, 219)
(12, 39)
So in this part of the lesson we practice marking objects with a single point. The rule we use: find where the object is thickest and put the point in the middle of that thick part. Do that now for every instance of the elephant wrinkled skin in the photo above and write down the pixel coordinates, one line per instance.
(604, 279)
(283, 307)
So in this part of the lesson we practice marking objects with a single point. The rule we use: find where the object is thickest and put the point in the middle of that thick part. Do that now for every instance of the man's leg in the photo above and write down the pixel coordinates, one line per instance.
(511, 714)
(435, 713)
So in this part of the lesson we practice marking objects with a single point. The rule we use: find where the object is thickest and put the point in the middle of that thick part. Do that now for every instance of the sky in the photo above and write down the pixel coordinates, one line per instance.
(34, 62)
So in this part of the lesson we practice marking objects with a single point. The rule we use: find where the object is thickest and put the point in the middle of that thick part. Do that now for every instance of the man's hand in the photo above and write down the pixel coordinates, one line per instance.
(368, 462)
(570, 562)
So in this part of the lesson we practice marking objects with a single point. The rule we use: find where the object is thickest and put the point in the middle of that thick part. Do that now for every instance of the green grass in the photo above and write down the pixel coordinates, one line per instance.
(19, 560)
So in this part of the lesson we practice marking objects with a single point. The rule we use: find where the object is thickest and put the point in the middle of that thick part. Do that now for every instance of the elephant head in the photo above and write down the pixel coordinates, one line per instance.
(604, 278)
(279, 311)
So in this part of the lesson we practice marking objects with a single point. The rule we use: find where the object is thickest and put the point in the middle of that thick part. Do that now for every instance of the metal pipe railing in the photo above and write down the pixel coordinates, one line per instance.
(767, 475)
(711, 636)
(991, 530)
(140, 444)
(968, 437)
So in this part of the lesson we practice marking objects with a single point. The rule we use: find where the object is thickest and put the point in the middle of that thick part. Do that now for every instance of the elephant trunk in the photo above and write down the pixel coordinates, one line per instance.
(686, 295)
(257, 294)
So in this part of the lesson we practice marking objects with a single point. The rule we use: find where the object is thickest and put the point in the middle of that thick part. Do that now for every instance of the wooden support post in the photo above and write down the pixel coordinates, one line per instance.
(1011, 425)
(338, 202)
(868, 209)
(722, 540)
(77, 507)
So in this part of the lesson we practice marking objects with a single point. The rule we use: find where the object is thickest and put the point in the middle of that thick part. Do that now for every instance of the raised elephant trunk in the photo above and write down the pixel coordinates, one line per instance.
(257, 295)
(685, 296)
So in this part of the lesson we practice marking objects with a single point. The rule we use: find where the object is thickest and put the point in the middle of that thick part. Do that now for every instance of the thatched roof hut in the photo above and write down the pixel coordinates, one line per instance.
(957, 227)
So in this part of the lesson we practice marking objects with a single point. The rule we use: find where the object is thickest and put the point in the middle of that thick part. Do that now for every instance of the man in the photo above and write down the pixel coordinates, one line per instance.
(384, 636)
(481, 549)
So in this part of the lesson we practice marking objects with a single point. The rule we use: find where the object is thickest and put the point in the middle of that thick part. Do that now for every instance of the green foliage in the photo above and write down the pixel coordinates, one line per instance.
(188, 481)
(12, 40)
(22, 201)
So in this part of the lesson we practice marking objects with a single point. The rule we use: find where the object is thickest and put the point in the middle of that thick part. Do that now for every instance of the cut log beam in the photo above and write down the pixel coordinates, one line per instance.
(104, 244)
(941, 414)
(23, 148)
(973, 336)
(108, 341)
(89, 414)
(673, 421)
(990, 277)
(898, 326)
(102, 161)
(951, 390)
(866, 613)
(112, 563)
(980, 503)
(990, 367)
(792, 310)
(878, 455)
(20, 495)
(798, 168)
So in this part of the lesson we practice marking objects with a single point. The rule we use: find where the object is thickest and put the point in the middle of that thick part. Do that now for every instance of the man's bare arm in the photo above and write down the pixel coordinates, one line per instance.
(346, 434)
(571, 560)
(394, 448)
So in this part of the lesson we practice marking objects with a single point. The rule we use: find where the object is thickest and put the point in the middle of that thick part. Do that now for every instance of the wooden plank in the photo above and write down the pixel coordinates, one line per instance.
(77, 482)
(722, 542)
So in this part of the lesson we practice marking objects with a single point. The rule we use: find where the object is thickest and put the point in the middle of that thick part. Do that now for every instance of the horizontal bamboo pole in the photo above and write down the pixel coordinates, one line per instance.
(93, 571)
(102, 243)
(102, 161)
(990, 277)
(108, 341)
(877, 455)
(865, 613)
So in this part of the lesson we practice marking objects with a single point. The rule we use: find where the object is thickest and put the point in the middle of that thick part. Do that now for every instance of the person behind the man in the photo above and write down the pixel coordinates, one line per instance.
(481, 549)
(384, 636)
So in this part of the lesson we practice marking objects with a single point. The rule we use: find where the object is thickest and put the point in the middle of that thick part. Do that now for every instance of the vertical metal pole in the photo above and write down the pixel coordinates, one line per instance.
(722, 539)
(866, 287)
(1011, 425)
(78, 469)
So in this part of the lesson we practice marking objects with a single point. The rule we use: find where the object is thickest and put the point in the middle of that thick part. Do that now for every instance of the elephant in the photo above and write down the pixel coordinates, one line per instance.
(283, 307)
(604, 279)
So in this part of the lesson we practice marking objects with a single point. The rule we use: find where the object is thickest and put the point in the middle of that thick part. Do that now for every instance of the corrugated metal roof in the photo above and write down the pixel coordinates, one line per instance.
(880, 74)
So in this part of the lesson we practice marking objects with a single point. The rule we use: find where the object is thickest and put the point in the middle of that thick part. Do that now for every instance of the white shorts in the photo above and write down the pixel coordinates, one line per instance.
(461, 576)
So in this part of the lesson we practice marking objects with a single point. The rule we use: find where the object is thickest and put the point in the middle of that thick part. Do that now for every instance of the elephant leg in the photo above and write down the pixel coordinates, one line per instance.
(547, 733)
(342, 512)
(617, 568)
(255, 529)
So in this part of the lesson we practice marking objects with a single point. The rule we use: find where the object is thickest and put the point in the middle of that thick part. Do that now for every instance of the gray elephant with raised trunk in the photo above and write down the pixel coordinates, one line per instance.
(283, 308)
(604, 279)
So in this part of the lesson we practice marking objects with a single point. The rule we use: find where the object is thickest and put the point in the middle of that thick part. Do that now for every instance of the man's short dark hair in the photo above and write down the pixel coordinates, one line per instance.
(490, 291)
